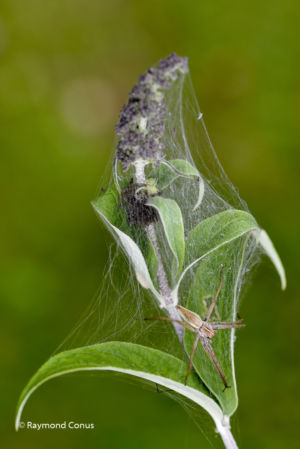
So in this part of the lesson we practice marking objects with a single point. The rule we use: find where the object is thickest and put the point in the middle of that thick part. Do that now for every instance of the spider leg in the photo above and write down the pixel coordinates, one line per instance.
(164, 318)
(227, 324)
(210, 352)
(214, 301)
(240, 321)
(192, 357)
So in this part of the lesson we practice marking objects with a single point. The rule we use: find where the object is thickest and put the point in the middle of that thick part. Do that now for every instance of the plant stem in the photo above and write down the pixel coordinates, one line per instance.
(165, 290)
(225, 433)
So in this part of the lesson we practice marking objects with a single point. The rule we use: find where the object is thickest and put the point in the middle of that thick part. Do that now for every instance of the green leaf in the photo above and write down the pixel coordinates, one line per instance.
(165, 175)
(132, 359)
(167, 172)
(223, 228)
(216, 231)
(216, 241)
(107, 205)
(132, 240)
(205, 283)
(171, 218)
(213, 233)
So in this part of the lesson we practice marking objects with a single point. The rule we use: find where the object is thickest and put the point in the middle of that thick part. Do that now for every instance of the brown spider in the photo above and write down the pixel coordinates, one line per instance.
(204, 330)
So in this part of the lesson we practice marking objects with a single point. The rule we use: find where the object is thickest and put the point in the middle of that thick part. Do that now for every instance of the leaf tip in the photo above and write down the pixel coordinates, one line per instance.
(270, 250)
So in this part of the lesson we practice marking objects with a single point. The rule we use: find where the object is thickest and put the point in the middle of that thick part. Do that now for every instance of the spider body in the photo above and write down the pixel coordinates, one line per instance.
(205, 330)
(196, 322)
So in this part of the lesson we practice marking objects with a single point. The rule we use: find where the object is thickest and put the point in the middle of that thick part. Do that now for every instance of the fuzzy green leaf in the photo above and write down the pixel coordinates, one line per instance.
(223, 228)
(128, 358)
(213, 233)
(221, 241)
(216, 231)
(166, 173)
(171, 218)
(138, 248)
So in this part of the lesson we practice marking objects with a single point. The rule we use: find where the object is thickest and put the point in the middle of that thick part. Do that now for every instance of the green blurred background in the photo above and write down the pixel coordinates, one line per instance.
(66, 69)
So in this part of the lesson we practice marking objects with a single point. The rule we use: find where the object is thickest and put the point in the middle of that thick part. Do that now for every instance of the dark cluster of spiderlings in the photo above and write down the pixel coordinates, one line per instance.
(137, 211)
(141, 124)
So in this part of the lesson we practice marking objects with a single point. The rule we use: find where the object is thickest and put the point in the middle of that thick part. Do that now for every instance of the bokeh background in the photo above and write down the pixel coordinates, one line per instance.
(66, 67)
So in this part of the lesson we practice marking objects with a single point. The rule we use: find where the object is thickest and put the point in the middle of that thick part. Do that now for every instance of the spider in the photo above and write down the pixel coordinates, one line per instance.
(204, 330)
